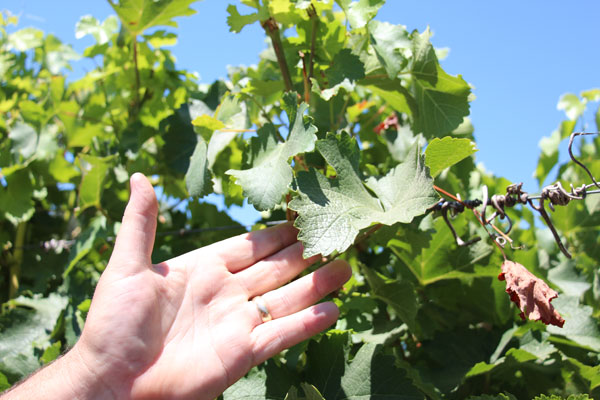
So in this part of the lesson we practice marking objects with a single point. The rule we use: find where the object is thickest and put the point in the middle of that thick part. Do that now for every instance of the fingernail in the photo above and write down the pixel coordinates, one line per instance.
(134, 181)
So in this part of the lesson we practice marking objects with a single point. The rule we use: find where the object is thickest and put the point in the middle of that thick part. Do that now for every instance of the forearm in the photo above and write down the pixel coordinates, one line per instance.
(65, 378)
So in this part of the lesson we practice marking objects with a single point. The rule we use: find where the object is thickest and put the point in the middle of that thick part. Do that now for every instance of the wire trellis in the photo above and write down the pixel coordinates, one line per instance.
(551, 195)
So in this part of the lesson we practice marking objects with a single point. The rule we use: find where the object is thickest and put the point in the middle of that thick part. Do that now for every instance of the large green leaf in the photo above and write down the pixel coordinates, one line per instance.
(270, 174)
(326, 361)
(443, 153)
(24, 140)
(237, 21)
(391, 44)
(94, 170)
(85, 242)
(267, 381)
(360, 12)
(580, 326)
(28, 324)
(16, 202)
(25, 39)
(442, 99)
(437, 257)
(400, 295)
(345, 66)
(370, 374)
(331, 212)
(88, 25)
(139, 15)
(197, 177)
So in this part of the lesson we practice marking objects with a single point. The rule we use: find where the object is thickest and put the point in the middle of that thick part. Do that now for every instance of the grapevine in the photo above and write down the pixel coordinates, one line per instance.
(348, 126)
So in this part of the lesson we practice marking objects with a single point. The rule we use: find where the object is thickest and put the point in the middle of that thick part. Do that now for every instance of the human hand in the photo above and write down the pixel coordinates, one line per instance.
(186, 328)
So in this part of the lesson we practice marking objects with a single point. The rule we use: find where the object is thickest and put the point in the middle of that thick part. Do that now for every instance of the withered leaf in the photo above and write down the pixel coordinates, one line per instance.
(531, 294)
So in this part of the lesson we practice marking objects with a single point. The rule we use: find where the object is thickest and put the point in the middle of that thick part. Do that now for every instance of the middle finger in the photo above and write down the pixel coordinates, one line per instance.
(274, 271)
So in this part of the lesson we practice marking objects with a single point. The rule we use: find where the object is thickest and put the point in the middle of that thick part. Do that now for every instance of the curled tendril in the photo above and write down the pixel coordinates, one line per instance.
(554, 194)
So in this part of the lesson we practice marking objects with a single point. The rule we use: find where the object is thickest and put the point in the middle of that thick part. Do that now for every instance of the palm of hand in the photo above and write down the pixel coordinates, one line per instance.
(185, 328)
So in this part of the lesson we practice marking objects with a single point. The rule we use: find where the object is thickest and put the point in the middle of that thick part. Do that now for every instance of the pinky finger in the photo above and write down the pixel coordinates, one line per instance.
(274, 336)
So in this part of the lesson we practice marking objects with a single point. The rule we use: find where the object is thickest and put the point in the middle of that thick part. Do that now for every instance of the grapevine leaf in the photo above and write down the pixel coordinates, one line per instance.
(401, 141)
(393, 93)
(267, 381)
(271, 174)
(233, 114)
(139, 15)
(310, 393)
(85, 242)
(198, 177)
(94, 171)
(443, 153)
(180, 136)
(25, 39)
(565, 276)
(3, 382)
(400, 295)
(442, 99)
(359, 13)
(572, 106)
(346, 69)
(455, 353)
(345, 66)
(326, 361)
(406, 191)
(500, 396)
(206, 123)
(51, 353)
(580, 326)
(30, 321)
(391, 43)
(555, 397)
(549, 146)
(369, 374)
(332, 212)
(24, 140)
(589, 373)
(16, 198)
(374, 375)
(60, 57)
(88, 25)
(549, 156)
(444, 260)
(237, 21)
(531, 294)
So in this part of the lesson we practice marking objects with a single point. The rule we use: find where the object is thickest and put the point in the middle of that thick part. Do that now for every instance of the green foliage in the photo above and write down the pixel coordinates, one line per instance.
(444, 153)
(327, 128)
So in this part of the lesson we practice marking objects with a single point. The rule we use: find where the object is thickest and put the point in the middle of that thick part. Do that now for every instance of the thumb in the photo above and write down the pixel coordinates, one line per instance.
(135, 239)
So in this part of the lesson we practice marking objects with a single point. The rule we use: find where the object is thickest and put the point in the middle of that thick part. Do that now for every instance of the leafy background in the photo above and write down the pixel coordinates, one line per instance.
(338, 111)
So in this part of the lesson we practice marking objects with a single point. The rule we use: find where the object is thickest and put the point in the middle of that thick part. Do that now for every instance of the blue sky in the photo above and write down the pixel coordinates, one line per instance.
(520, 56)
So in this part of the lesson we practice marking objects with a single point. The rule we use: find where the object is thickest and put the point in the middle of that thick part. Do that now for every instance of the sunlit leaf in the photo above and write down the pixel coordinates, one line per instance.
(444, 153)
(139, 15)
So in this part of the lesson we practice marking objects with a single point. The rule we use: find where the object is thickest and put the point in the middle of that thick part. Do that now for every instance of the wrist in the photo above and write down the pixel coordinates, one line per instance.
(68, 377)
(83, 381)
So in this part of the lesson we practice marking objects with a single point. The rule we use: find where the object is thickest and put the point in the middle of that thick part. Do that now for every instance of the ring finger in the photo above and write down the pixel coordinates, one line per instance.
(307, 290)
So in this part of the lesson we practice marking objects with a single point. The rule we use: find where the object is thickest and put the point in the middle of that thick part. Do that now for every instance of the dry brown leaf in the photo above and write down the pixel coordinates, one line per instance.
(530, 293)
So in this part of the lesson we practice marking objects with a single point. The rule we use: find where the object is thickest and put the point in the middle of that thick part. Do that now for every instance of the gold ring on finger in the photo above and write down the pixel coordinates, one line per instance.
(261, 306)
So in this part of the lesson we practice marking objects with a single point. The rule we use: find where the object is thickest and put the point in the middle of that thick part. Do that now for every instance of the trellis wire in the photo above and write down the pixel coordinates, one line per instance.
(555, 194)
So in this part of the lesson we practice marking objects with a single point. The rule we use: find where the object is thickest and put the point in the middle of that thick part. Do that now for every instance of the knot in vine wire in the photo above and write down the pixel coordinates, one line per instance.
(558, 196)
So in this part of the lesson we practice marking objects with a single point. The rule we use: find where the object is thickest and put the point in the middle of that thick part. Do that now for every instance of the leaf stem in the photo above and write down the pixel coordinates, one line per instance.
(17, 260)
(272, 29)
(312, 13)
(305, 79)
